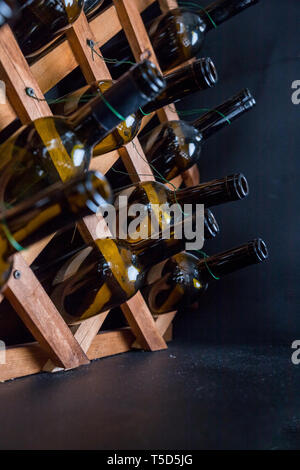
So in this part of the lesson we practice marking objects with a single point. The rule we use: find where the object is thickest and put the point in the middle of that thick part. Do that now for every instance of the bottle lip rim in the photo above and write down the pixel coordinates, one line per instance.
(208, 71)
(260, 249)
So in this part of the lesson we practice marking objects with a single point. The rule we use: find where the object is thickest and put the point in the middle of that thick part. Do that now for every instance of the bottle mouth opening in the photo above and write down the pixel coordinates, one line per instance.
(241, 186)
(247, 99)
(208, 71)
(260, 250)
(212, 228)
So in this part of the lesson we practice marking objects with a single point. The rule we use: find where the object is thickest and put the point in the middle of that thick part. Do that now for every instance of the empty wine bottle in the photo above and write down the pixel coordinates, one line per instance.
(41, 21)
(106, 274)
(200, 75)
(154, 201)
(178, 34)
(54, 148)
(68, 243)
(8, 12)
(160, 207)
(91, 7)
(183, 277)
(175, 146)
(55, 208)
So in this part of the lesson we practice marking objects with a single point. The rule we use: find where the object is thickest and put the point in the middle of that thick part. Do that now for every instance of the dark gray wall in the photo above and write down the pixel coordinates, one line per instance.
(258, 49)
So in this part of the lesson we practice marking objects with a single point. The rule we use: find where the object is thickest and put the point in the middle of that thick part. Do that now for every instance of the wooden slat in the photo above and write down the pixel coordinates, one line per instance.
(162, 323)
(142, 323)
(60, 61)
(24, 360)
(92, 66)
(15, 72)
(166, 5)
(41, 317)
(136, 162)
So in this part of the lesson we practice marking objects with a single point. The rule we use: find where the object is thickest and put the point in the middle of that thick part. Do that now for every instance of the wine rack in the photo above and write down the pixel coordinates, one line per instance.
(57, 345)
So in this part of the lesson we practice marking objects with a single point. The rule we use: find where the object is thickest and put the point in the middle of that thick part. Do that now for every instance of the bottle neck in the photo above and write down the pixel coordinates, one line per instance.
(213, 193)
(225, 114)
(222, 10)
(151, 252)
(232, 260)
(197, 76)
(93, 121)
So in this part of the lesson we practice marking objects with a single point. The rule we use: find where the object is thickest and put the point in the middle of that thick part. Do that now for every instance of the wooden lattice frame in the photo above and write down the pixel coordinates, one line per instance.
(58, 346)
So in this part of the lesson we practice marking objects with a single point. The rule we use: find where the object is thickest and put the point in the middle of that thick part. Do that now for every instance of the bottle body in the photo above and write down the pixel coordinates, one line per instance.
(41, 22)
(54, 148)
(200, 75)
(50, 210)
(40, 154)
(181, 279)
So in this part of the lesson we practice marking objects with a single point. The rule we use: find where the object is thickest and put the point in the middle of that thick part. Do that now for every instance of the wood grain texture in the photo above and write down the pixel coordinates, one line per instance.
(93, 68)
(15, 72)
(163, 324)
(42, 319)
(166, 5)
(60, 61)
(142, 323)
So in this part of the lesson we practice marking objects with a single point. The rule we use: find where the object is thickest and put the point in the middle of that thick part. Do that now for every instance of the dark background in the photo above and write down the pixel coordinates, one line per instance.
(258, 49)
(226, 381)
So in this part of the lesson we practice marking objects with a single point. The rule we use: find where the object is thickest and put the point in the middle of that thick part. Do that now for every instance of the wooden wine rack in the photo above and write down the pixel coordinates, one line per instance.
(57, 346)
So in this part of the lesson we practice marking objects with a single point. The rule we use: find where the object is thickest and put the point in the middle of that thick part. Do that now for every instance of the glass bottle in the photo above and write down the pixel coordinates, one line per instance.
(54, 148)
(200, 75)
(175, 146)
(178, 34)
(52, 209)
(8, 12)
(42, 21)
(160, 207)
(91, 7)
(183, 277)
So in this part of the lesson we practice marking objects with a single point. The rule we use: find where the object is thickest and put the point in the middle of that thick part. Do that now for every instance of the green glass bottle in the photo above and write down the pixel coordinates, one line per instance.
(55, 208)
(175, 146)
(56, 148)
(183, 277)
(200, 75)
(9, 12)
(178, 34)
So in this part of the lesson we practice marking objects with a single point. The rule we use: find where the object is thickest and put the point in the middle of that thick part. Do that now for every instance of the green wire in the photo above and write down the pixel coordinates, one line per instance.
(207, 267)
(196, 5)
(9, 236)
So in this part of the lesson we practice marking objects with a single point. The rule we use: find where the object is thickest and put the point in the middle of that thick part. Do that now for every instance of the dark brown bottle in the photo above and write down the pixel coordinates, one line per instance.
(92, 7)
(106, 274)
(9, 12)
(55, 208)
(54, 148)
(68, 243)
(42, 21)
(183, 277)
(178, 34)
(175, 146)
(200, 75)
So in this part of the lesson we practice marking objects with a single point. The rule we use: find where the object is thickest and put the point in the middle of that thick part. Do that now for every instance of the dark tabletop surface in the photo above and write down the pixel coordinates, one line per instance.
(192, 396)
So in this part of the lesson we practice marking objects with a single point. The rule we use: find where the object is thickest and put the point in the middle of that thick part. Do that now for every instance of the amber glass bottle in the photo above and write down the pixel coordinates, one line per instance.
(42, 21)
(54, 148)
(55, 208)
(183, 277)
(178, 34)
(175, 146)
(200, 75)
